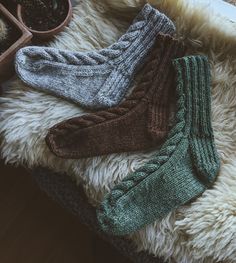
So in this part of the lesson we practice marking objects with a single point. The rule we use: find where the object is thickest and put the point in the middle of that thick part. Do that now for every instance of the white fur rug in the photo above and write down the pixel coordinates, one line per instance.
(204, 231)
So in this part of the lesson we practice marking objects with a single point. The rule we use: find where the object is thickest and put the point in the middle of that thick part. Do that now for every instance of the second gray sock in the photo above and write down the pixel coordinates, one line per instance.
(96, 79)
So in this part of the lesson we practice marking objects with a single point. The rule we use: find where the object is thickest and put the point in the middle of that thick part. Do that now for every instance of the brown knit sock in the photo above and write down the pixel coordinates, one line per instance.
(138, 123)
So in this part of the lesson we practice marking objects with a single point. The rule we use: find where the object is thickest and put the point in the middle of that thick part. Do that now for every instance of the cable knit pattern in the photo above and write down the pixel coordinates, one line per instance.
(95, 79)
(173, 176)
(130, 126)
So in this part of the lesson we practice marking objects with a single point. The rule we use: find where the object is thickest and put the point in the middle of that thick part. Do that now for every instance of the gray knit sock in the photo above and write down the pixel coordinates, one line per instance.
(95, 79)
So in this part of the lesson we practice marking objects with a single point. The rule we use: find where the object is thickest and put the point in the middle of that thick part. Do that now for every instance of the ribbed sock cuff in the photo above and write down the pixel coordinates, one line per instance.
(195, 74)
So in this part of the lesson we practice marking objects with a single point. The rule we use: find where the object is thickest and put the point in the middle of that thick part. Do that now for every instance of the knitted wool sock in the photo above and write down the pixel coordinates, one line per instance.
(138, 123)
(174, 176)
(95, 79)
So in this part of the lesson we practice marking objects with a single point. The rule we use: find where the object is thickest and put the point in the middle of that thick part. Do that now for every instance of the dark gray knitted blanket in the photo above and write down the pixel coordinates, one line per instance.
(63, 190)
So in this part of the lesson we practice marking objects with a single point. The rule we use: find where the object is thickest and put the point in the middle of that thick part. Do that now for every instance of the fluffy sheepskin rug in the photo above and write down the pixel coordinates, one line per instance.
(204, 231)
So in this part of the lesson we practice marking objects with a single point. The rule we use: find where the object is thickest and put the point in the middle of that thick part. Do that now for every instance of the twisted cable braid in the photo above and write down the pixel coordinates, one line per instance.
(148, 15)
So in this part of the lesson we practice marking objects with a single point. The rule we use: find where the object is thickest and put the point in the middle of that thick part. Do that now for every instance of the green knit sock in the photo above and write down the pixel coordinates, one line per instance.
(183, 168)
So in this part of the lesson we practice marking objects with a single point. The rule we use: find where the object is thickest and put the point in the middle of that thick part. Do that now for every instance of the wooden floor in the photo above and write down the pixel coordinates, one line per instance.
(34, 229)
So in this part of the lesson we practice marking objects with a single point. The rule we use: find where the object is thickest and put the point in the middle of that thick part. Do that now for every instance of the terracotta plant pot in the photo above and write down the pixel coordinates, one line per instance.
(49, 33)
(8, 56)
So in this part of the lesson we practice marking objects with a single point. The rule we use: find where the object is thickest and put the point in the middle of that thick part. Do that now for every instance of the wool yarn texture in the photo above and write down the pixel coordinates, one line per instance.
(194, 233)
(140, 122)
(95, 79)
(184, 167)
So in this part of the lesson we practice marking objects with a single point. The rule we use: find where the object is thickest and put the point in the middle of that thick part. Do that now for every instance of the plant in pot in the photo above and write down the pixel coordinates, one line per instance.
(44, 18)
(13, 36)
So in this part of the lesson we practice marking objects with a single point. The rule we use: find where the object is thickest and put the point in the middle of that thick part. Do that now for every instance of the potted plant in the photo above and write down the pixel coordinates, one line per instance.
(44, 18)
(13, 36)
